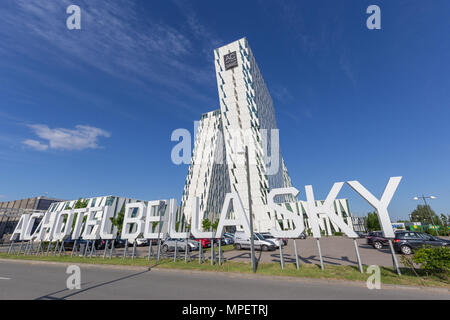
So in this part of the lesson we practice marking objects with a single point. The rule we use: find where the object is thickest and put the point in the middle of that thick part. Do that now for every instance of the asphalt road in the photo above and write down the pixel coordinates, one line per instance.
(37, 280)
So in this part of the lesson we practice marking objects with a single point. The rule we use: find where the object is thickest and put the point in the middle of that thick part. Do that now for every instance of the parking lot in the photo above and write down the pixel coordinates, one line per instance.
(335, 251)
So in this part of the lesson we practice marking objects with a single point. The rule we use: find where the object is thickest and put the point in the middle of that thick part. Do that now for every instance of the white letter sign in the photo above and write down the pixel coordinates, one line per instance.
(380, 205)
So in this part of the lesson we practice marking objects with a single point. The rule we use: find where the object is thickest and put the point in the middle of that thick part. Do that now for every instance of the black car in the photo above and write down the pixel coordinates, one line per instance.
(407, 241)
(362, 234)
(377, 240)
(69, 244)
(118, 243)
(100, 244)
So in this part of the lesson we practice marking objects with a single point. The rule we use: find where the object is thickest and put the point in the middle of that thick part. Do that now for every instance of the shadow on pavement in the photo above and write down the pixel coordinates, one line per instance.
(50, 295)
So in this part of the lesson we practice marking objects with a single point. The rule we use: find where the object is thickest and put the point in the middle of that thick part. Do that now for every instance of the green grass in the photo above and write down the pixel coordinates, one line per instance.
(351, 273)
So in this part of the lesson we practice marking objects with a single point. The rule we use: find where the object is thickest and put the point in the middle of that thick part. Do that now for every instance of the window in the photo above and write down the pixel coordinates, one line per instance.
(409, 235)
(258, 236)
(425, 236)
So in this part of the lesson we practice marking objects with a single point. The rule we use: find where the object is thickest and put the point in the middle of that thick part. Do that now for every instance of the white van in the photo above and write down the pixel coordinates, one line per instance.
(241, 241)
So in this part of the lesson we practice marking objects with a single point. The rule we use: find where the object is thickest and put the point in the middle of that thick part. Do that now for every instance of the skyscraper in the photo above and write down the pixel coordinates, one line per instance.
(246, 118)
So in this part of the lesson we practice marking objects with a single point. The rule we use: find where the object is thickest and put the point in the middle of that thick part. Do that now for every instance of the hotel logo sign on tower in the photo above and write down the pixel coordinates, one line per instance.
(230, 60)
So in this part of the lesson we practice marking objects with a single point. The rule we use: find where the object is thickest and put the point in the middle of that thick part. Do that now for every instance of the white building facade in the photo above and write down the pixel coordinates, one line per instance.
(246, 118)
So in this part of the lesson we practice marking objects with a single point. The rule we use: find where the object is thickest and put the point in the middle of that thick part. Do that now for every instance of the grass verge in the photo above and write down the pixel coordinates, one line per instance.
(350, 273)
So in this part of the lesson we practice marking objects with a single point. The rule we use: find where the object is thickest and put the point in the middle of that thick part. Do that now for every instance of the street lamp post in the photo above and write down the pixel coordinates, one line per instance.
(424, 198)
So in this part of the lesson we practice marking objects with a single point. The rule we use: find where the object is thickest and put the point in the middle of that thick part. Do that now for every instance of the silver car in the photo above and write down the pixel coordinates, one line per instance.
(169, 245)
(241, 241)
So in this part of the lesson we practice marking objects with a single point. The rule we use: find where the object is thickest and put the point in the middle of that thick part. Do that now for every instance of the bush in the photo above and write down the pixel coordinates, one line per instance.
(434, 259)
(338, 233)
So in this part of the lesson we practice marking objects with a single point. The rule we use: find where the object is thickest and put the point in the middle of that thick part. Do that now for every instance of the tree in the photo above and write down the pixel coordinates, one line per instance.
(425, 215)
(215, 225)
(444, 220)
(81, 204)
(206, 224)
(118, 220)
(373, 223)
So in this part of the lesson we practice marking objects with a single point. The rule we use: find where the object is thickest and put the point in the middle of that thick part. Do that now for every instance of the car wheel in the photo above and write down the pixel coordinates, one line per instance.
(406, 250)
(377, 245)
(265, 248)
(237, 246)
(165, 248)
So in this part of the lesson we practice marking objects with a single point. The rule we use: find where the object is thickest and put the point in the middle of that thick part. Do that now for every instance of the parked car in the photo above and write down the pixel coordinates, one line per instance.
(303, 235)
(229, 235)
(406, 242)
(180, 244)
(100, 244)
(68, 244)
(269, 236)
(362, 234)
(377, 240)
(241, 241)
(120, 243)
(206, 243)
(142, 242)
(228, 239)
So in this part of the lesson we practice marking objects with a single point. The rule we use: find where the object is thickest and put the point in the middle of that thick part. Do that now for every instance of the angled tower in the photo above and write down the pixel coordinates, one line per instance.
(207, 177)
(246, 118)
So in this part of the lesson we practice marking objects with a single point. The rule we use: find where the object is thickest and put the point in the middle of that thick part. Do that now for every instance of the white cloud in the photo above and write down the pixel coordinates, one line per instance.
(80, 138)
(35, 144)
(111, 42)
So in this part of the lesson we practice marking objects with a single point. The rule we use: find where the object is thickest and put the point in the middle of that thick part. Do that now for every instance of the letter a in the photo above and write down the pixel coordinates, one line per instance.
(183, 147)
(374, 21)
(240, 218)
(74, 280)
(74, 21)
(374, 281)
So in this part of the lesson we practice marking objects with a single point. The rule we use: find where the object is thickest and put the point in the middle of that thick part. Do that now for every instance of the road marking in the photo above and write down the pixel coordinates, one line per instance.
(1, 278)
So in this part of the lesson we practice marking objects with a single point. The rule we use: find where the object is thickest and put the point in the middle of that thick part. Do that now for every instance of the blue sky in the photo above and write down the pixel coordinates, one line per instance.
(90, 112)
